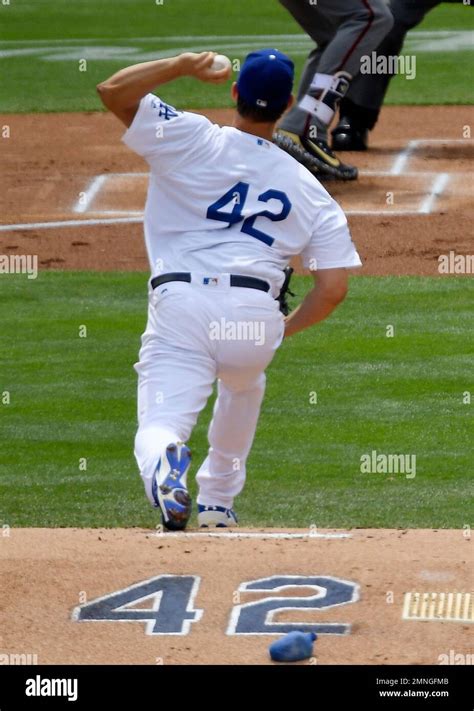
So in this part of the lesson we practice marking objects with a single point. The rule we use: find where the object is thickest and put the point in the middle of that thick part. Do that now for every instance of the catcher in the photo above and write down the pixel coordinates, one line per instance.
(226, 211)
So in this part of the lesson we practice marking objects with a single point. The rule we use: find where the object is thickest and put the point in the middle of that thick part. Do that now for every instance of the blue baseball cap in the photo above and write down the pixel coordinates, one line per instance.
(266, 79)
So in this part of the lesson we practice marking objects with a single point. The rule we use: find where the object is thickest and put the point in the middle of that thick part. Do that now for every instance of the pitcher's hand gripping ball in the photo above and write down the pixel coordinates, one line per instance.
(221, 62)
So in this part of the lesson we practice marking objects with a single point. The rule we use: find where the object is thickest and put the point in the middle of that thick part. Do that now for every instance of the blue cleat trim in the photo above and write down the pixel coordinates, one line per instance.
(171, 495)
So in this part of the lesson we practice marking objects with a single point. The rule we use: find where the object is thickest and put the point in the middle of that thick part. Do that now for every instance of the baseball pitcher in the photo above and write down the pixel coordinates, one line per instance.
(226, 211)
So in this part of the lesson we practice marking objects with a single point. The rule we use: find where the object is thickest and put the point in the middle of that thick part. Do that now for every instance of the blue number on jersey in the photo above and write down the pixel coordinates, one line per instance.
(248, 227)
(238, 194)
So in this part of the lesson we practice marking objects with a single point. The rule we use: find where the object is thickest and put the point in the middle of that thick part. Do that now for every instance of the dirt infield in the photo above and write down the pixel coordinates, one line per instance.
(412, 202)
(361, 578)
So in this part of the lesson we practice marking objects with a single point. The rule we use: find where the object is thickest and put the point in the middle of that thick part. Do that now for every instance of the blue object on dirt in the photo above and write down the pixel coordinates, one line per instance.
(293, 647)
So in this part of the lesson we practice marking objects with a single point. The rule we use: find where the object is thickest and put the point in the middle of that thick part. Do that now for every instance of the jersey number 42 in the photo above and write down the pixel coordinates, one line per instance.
(236, 197)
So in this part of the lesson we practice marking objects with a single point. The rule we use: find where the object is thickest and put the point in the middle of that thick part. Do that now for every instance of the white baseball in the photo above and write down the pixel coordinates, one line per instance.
(221, 62)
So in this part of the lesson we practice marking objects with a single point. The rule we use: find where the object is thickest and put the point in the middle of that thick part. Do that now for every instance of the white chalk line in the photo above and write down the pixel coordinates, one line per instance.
(437, 188)
(402, 158)
(88, 195)
(69, 223)
(96, 184)
(255, 535)
(126, 175)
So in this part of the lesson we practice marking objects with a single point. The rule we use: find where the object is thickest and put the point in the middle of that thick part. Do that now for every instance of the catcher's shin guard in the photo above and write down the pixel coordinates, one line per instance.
(324, 95)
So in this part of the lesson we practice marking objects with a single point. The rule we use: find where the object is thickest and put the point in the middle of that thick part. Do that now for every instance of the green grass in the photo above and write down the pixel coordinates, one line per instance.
(73, 398)
(135, 28)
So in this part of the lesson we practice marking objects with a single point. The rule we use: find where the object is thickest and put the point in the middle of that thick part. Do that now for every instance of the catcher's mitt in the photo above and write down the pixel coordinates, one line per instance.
(282, 298)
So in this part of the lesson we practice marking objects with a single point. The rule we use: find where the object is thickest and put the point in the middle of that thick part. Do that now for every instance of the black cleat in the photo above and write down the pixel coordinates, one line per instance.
(345, 137)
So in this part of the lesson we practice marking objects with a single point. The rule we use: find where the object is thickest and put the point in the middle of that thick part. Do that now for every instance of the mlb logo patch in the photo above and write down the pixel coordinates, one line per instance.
(210, 281)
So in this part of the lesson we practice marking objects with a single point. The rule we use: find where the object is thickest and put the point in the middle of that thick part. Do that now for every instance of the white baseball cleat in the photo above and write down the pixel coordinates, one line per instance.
(216, 517)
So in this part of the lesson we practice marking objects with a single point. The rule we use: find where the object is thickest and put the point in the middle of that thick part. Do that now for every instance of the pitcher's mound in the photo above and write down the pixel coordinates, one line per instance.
(116, 596)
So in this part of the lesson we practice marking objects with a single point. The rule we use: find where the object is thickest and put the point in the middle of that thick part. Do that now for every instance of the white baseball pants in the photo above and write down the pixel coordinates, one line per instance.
(197, 333)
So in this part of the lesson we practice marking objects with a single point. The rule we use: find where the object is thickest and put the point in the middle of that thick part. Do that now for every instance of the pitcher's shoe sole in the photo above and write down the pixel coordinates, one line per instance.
(169, 487)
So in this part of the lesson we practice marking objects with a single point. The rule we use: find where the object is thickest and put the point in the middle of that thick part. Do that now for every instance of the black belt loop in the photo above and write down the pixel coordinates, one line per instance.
(246, 282)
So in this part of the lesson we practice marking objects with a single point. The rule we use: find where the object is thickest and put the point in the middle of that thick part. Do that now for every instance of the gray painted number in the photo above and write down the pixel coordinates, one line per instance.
(171, 611)
(259, 617)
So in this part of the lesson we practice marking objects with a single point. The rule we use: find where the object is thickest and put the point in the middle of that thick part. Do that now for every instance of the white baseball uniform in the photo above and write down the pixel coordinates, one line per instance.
(220, 202)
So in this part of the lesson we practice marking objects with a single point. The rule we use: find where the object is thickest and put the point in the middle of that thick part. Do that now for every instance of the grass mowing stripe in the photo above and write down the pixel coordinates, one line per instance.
(334, 393)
